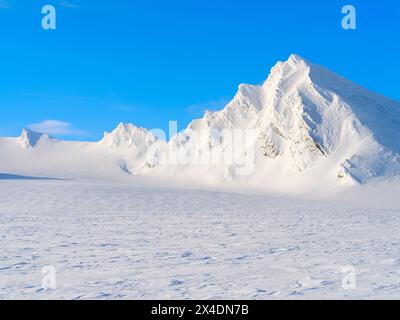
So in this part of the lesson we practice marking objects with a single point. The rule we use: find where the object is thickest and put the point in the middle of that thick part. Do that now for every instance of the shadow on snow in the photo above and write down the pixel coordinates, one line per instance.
(6, 176)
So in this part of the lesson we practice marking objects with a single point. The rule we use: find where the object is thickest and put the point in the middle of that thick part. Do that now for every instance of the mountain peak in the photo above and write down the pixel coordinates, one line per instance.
(129, 136)
(295, 59)
(295, 62)
(123, 126)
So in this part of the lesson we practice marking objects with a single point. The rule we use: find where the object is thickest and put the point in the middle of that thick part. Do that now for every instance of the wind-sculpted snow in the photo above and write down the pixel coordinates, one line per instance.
(124, 241)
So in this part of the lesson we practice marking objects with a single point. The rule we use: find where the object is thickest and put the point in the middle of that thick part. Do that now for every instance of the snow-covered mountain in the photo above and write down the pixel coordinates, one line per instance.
(308, 124)
(304, 126)
(119, 154)
(128, 136)
(132, 144)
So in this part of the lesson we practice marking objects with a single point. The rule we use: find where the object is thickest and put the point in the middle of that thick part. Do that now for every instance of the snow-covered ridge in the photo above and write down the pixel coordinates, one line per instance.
(308, 126)
(127, 135)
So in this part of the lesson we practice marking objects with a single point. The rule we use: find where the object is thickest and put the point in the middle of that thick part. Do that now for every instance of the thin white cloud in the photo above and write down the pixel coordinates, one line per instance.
(56, 128)
(68, 4)
(4, 4)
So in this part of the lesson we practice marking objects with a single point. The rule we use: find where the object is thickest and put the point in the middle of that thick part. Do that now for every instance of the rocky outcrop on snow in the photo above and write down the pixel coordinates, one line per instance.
(304, 125)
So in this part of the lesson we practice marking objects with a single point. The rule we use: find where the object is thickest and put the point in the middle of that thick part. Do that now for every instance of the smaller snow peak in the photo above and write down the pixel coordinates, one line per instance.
(127, 135)
(128, 129)
(29, 139)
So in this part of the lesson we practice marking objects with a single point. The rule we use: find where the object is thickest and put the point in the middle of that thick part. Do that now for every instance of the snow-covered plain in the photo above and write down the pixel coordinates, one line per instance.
(125, 241)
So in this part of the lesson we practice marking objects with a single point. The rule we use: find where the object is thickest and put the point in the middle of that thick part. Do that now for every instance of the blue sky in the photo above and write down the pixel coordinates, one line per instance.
(148, 62)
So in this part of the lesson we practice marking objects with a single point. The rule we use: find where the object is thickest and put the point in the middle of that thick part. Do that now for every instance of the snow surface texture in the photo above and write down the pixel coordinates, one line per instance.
(120, 241)
(310, 130)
